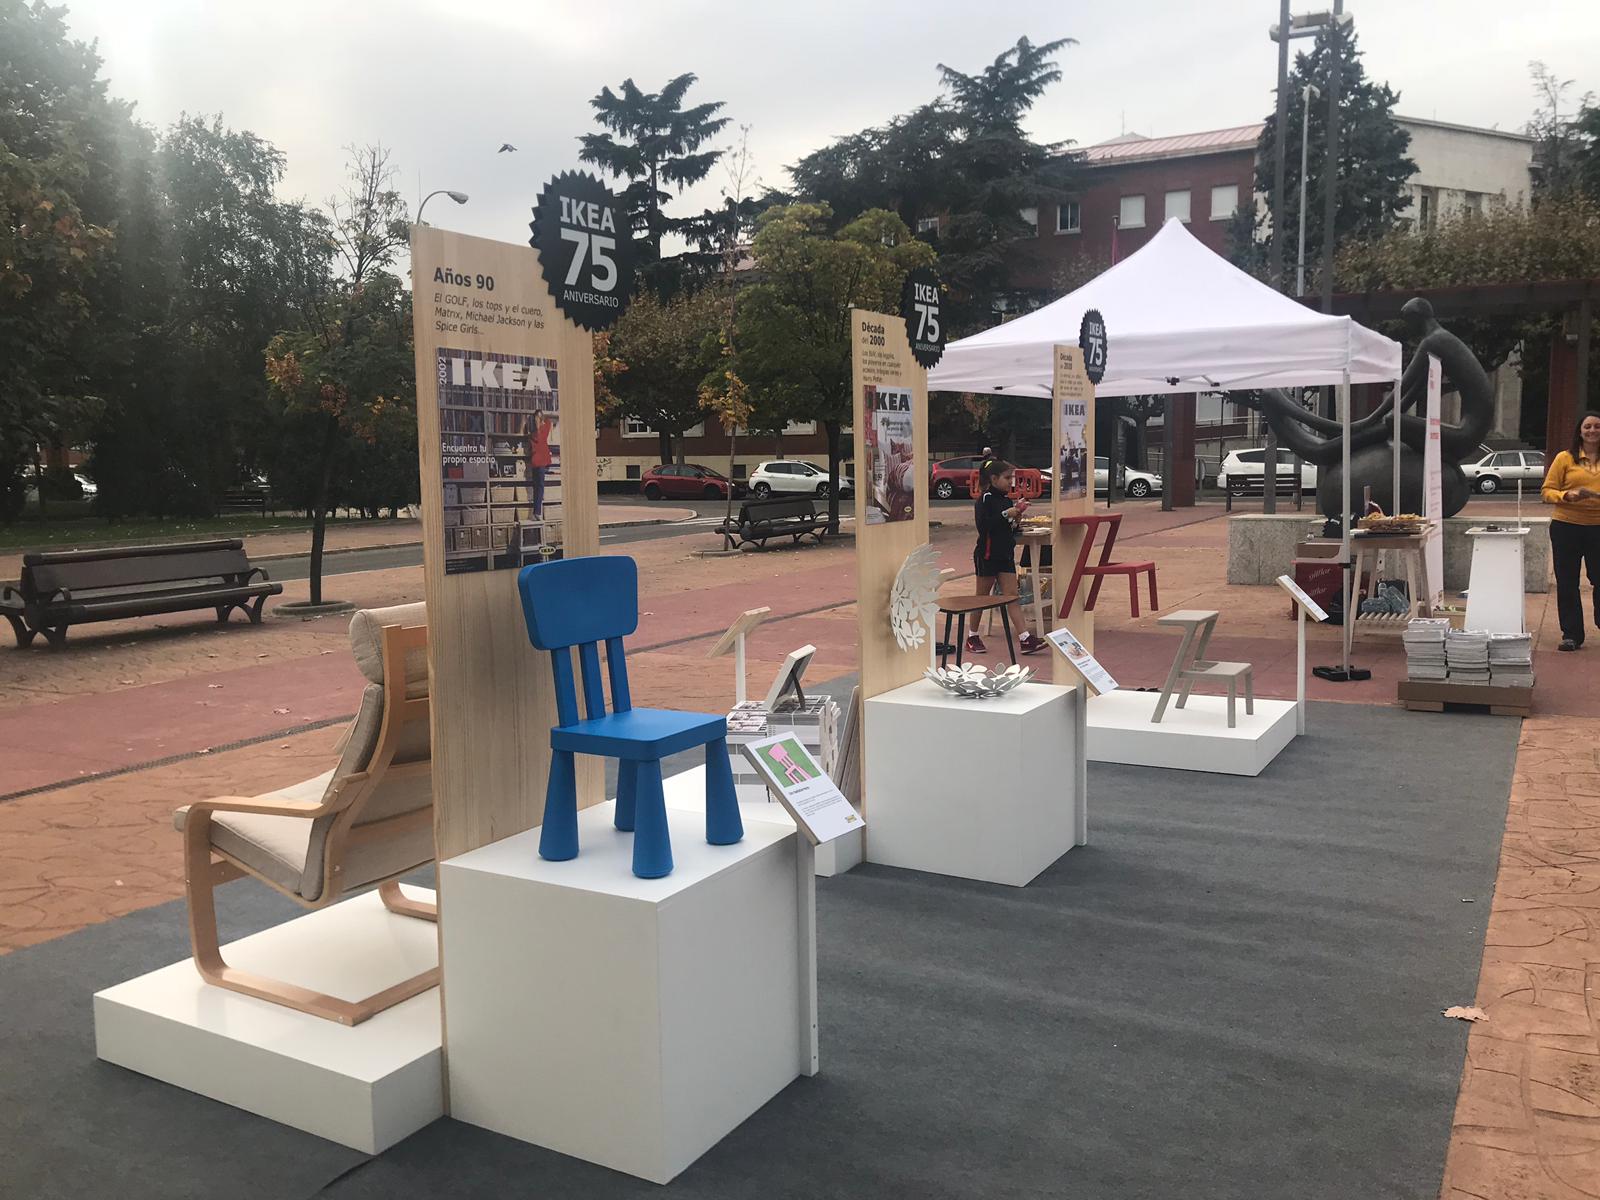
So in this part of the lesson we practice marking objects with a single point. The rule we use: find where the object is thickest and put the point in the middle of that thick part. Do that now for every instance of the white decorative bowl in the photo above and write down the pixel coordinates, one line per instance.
(973, 682)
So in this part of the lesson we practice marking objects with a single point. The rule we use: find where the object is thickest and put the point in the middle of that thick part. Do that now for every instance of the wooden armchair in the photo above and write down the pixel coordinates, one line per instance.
(368, 821)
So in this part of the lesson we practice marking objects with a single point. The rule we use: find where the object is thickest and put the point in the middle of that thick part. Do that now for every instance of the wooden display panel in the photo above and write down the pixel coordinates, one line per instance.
(1071, 387)
(883, 364)
(493, 700)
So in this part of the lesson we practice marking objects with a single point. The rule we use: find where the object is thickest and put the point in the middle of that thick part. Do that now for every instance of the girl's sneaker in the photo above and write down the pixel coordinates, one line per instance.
(1030, 644)
(975, 644)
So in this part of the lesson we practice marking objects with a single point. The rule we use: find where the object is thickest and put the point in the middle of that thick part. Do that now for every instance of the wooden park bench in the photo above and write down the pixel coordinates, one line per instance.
(74, 587)
(758, 520)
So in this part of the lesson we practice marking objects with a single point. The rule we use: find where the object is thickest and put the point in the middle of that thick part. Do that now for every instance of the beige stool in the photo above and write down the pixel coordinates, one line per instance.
(1190, 664)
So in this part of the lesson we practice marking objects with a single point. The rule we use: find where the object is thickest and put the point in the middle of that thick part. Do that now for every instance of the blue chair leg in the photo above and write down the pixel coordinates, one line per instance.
(627, 788)
(558, 838)
(724, 826)
(652, 842)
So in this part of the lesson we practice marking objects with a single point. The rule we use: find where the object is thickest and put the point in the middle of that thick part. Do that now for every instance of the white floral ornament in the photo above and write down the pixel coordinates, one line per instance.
(914, 598)
(973, 682)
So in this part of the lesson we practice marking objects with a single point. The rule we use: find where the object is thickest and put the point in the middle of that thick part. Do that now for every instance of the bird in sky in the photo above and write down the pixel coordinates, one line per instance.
(505, 146)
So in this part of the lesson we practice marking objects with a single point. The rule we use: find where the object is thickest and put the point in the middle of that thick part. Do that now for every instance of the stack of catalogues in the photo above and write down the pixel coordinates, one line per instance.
(1424, 641)
(1511, 659)
(1466, 652)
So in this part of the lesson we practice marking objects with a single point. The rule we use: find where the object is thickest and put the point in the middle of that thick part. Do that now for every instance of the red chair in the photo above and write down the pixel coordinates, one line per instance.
(1098, 571)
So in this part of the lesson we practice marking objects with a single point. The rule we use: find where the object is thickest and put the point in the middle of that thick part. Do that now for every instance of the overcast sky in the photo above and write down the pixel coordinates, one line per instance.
(445, 82)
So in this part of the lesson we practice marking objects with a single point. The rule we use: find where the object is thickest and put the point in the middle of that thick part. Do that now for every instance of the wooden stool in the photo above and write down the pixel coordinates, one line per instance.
(1190, 664)
(959, 607)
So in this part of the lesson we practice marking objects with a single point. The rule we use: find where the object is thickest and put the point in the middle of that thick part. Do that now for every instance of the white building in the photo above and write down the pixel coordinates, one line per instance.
(1461, 169)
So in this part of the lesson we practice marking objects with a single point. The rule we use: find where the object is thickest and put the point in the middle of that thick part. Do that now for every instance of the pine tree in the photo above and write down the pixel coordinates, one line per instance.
(655, 143)
(1373, 168)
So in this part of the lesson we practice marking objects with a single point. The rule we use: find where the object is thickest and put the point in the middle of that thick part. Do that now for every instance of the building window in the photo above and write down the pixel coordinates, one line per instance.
(741, 470)
(1224, 201)
(1131, 213)
(1472, 203)
(1178, 205)
(632, 427)
(695, 430)
(1069, 217)
(927, 224)
(633, 471)
(1427, 208)
(799, 428)
(1031, 216)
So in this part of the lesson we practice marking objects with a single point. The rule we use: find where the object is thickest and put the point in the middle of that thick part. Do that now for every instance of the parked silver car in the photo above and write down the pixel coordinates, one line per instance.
(1500, 471)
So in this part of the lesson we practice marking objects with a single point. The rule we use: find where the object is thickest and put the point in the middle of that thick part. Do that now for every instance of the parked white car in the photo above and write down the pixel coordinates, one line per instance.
(1500, 471)
(1243, 471)
(794, 477)
(1135, 483)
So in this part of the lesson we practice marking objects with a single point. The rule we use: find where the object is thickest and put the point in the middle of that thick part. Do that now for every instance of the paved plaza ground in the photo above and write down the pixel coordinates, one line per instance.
(99, 742)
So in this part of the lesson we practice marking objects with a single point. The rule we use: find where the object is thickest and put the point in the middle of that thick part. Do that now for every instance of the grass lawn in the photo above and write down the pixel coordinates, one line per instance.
(29, 533)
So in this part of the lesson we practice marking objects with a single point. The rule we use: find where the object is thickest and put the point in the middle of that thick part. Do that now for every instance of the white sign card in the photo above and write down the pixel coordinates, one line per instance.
(802, 787)
(1082, 661)
(1433, 489)
(1313, 610)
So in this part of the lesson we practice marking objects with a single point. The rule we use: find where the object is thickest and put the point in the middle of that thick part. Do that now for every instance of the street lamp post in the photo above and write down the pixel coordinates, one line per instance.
(1306, 96)
(458, 197)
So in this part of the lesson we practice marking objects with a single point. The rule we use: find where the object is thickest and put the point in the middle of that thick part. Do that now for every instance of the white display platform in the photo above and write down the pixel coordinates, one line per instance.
(1494, 587)
(687, 791)
(628, 1022)
(366, 1086)
(979, 789)
(1193, 738)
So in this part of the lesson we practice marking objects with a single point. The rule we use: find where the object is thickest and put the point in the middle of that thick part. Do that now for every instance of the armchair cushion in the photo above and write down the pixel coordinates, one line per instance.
(272, 846)
(366, 643)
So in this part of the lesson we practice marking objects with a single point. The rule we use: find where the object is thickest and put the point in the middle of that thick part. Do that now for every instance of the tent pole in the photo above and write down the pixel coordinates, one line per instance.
(1397, 508)
(1344, 515)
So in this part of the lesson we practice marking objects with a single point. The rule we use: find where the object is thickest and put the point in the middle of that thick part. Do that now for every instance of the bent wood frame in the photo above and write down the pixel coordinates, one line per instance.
(206, 866)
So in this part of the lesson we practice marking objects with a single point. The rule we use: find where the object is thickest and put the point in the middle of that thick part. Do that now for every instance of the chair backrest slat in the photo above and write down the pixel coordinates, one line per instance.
(594, 696)
(617, 666)
(566, 690)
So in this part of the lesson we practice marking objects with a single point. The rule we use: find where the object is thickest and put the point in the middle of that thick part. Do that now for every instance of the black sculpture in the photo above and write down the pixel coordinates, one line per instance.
(1318, 439)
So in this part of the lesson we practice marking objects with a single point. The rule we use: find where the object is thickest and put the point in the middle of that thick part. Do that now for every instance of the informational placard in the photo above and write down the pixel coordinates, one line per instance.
(890, 417)
(1086, 664)
(1312, 609)
(1075, 399)
(500, 459)
(1072, 433)
(921, 303)
(1092, 341)
(891, 454)
(501, 375)
(585, 247)
(803, 788)
(1433, 489)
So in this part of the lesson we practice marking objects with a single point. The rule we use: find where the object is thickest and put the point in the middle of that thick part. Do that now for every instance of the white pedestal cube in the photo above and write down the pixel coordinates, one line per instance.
(628, 1022)
(1494, 588)
(687, 791)
(980, 789)
(365, 1087)
(1195, 737)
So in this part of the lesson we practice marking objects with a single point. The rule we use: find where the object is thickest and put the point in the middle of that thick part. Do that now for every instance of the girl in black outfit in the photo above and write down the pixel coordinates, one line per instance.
(994, 558)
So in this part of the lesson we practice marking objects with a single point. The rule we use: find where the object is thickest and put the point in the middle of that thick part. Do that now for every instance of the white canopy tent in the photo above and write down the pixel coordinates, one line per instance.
(1179, 318)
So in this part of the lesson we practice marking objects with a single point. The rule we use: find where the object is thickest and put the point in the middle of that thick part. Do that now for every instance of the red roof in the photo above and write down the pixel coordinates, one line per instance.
(1133, 148)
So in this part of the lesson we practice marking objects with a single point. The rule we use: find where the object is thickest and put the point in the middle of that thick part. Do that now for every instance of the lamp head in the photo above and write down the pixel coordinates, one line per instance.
(458, 197)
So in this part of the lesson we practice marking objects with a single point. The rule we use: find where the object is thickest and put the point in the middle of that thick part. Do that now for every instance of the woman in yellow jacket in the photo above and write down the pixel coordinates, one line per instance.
(1573, 487)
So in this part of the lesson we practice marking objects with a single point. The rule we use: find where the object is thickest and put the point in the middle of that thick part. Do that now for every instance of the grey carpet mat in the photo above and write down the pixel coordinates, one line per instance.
(1233, 991)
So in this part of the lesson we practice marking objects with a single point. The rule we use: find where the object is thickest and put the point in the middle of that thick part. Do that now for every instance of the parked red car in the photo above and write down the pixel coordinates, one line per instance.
(687, 481)
(952, 477)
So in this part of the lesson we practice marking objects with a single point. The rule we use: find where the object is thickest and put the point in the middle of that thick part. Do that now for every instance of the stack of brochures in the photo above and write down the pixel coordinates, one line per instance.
(1424, 642)
(1466, 652)
(1511, 659)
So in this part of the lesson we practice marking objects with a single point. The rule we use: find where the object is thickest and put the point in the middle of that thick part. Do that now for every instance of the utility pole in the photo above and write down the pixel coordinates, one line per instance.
(1330, 176)
(1280, 153)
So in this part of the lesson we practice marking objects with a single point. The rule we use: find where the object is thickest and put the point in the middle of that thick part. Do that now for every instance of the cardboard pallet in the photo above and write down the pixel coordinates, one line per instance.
(1428, 695)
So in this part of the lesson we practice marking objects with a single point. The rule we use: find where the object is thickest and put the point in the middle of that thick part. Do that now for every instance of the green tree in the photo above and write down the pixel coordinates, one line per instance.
(794, 343)
(1561, 143)
(346, 374)
(54, 234)
(1373, 168)
(964, 159)
(655, 143)
(666, 348)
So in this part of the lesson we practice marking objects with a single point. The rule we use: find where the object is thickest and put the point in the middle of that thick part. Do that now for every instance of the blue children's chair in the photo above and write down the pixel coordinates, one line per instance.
(582, 602)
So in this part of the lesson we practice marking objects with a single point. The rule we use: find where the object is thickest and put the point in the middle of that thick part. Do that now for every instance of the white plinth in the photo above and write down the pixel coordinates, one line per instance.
(687, 791)
(366, 1087)
(627, 1022)
(1494, 588)
(980, 789)
(1193, 738)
